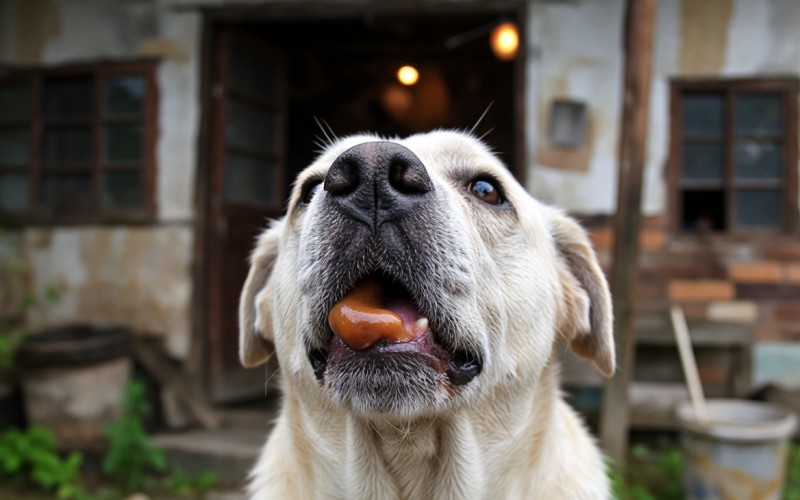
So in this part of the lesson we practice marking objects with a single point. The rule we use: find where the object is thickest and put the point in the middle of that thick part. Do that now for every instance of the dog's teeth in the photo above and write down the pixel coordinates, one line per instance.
(422, 323)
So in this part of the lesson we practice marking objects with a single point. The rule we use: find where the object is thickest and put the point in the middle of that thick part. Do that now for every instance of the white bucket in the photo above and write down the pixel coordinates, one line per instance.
(740, 453)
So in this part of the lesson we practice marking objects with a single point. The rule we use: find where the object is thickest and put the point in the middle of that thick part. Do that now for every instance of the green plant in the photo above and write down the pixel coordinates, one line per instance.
(182, 484)
(792, 489)
(131, 459)
(649, 471)
(30, 457)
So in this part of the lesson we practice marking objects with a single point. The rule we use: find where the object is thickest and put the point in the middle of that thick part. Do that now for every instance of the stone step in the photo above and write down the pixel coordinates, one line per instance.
(230, 451)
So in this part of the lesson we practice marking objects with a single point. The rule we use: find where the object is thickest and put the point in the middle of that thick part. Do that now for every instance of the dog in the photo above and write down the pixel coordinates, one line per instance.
(418, 300)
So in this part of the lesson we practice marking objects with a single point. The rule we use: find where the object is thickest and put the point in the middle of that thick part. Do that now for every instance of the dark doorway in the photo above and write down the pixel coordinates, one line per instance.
(340, 72)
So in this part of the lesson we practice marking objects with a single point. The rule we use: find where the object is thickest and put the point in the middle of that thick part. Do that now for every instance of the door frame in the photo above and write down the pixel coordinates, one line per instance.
(212, 20)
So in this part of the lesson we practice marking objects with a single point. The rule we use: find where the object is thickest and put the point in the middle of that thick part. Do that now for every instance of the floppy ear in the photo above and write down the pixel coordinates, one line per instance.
(588, 322)
(255, 316)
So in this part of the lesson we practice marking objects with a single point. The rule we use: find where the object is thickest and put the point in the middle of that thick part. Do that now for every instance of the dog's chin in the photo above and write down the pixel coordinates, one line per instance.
(392, 379)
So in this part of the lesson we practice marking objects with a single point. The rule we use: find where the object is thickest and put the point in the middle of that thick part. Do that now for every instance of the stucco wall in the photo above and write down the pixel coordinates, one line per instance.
(575, 51)
(137, 276)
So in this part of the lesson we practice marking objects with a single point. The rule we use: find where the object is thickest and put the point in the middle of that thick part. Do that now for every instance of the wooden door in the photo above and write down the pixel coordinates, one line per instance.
(248, 188)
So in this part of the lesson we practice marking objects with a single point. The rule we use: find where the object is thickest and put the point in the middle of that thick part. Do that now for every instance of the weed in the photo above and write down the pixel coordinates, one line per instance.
(30, 457)
(182, 484)
(649, 471)
(131, 459)
(792, 491)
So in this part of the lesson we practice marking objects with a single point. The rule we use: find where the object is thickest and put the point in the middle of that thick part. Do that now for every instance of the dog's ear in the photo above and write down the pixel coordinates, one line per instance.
(587, 320)
(255, 316)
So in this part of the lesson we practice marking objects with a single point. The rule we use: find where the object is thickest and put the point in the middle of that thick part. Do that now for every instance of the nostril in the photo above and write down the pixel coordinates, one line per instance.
(343, 177)
(409, 177)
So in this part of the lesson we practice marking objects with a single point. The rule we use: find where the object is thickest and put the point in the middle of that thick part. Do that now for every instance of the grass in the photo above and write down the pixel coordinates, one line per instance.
(656, 474)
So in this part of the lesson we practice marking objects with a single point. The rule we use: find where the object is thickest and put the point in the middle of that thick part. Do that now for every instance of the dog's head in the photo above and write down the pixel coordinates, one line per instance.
(412, 275)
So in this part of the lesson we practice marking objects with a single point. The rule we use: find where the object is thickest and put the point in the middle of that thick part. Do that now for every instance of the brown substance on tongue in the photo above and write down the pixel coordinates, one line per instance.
(360, 321)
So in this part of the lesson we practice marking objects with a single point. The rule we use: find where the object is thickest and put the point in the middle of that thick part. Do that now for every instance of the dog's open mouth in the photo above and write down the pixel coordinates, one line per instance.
(377, 327)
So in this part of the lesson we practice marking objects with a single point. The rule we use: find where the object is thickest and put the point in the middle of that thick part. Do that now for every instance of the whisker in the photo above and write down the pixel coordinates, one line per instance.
(480, 119)
(324, 130)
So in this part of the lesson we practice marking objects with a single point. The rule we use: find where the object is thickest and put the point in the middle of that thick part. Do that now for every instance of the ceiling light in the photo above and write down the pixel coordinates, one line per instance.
(504, 41)
(408, 75)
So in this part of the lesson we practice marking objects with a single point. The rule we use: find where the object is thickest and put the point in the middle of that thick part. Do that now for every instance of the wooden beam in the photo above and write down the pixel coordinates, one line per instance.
(640, 25)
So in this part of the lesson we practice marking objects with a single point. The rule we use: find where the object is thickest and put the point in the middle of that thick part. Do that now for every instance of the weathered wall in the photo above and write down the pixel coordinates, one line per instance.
(137, 276)
(575, 51)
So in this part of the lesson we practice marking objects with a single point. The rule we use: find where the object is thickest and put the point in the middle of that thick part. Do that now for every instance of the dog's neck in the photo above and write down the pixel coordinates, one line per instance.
(415, 453)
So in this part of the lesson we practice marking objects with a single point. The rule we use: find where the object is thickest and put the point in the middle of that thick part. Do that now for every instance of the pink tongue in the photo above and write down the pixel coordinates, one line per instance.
(362, 319)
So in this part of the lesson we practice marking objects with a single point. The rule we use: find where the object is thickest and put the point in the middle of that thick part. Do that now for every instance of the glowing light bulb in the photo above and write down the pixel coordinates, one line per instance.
(408, 75)
(504, 41)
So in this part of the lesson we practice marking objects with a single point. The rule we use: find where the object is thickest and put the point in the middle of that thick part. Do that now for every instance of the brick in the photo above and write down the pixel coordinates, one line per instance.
(602, 237)
(793, 274)
(756, 272)
(760, 292)
(783, 251)
(788, 311)
(655, 221)
(739, 311)
(651, 240)
(700, 290)
(767, 333)
(695, 312)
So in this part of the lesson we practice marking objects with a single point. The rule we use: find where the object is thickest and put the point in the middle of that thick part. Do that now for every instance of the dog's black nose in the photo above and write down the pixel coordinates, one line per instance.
(377, 181)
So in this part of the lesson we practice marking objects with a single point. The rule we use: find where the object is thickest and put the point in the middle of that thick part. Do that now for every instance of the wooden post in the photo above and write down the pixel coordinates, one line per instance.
(638, 42)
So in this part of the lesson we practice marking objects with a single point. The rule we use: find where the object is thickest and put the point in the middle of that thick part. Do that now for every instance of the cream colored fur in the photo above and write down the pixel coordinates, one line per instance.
(507, 434)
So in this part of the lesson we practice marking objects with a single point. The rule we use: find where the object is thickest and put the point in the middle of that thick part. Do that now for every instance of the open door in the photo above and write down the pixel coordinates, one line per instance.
(247, 188)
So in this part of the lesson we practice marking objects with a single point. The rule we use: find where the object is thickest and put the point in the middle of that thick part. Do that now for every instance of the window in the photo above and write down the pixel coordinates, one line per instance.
(77, 144)
(734, 155)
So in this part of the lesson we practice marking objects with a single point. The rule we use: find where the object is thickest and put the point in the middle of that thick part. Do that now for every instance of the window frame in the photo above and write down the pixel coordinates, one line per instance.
(98, 73)
(787, 87)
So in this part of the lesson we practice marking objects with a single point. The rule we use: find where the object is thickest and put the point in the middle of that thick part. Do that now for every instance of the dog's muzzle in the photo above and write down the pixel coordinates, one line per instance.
(386, 350)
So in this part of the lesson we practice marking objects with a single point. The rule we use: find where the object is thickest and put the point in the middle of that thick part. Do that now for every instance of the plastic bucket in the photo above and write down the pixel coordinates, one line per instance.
(740, 453)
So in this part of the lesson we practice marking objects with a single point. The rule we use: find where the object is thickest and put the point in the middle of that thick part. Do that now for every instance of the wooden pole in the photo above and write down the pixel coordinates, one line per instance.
(640, 19)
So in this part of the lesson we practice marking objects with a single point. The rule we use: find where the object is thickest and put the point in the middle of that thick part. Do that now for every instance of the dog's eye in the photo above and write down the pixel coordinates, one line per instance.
(310, 188)
(486, 191)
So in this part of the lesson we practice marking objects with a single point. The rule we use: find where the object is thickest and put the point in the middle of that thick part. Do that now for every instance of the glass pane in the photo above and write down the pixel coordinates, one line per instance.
(758, 160)
(14, 147)
(758, 208)
(13, 192)
(64, 147)
(124, 95)
(68, 99)
(759, 114)
(250, 128)
(122, 191)
(122, 143)
(250, 182)
(252, 74)
(704, 210)
(66, 195)
(15, 101)
(702, 161)
(703, 114)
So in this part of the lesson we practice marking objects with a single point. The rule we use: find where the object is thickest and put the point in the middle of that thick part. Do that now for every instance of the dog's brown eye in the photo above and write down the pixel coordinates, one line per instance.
(486, 191)
(309, 190)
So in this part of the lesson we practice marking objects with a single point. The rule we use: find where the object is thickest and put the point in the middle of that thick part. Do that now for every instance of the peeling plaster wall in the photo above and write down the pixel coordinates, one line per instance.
(575, 52)
(139, 277)
(136, 276)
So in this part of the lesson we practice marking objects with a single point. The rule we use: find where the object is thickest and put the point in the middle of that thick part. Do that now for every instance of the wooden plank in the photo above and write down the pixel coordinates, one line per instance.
(159, 367)
(639, 32)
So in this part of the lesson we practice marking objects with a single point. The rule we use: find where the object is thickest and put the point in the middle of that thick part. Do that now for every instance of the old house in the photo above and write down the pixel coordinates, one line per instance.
(143, 144)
